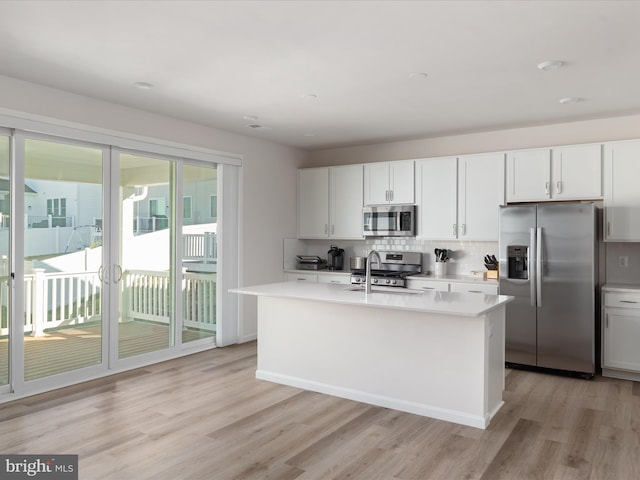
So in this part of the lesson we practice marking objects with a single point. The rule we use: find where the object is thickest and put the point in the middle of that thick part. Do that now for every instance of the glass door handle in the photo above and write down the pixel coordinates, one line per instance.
(117, 273)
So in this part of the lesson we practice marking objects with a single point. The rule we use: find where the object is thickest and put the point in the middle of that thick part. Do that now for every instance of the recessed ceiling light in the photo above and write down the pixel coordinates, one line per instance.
(550, 65)
(568, 100)
(143, 85)
(418, 75)
(310, 96)
(250, 118)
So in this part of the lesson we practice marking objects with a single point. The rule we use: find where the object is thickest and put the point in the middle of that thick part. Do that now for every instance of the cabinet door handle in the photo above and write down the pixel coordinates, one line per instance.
(428, 288)
(627, 301)
(464, 229)
(475, 291)
(606, 321)
(454, 229)
(546, 189)
(300, 279)
(608, 229)
(386, 195)
(558, 187)
(391, 195)
(333, 229)
(326, 228)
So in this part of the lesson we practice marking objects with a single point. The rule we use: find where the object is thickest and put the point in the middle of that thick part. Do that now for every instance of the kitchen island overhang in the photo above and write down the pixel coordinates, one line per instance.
(435, 354)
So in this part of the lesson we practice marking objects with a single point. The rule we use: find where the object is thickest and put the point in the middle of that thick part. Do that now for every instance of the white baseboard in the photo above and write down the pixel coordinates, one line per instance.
(425, 410)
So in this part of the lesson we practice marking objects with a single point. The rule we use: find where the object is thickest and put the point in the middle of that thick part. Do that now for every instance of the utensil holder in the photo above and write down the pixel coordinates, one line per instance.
(441, 269)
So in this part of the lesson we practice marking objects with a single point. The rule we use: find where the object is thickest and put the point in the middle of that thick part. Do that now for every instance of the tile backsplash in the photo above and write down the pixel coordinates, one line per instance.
(621, 254)
(465, 256)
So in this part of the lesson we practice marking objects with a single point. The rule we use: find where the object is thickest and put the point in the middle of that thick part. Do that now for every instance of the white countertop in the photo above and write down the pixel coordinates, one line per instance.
(620, 287)
(447, 303)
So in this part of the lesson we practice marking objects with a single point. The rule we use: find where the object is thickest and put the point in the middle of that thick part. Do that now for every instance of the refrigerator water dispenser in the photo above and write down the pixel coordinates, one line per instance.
(517, 262)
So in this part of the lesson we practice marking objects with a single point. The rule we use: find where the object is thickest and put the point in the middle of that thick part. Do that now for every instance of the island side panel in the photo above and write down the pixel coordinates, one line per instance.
(494, 358)
(424, 363)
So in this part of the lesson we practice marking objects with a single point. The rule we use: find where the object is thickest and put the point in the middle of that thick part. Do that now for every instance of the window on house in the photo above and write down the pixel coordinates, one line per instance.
(187, 208)
(214, 207)
(157, 207)
(57, 207)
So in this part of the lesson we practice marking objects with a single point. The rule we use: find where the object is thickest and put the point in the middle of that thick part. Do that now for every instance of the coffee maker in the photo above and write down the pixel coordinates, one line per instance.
(335, 258)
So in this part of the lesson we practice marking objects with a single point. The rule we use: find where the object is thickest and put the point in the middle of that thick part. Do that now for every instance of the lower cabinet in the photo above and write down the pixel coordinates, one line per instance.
(621, 335)
(318, 277)
(340, 278)
(301, 277)
(445, 286)
(474, 288)
(423, 284)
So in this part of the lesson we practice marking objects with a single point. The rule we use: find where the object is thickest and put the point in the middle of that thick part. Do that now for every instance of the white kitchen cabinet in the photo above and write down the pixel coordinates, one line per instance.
(389, 183)
(300, 277)
(491, 289)
(480, 193)
(436, 198)
(621, 333)
(458, 198)
(345, 201)
(576, 172)
(339, 278)
(426, 284)
(313, 203)
(330, 202)
(621, 192)
(562, 173)
(529, 175)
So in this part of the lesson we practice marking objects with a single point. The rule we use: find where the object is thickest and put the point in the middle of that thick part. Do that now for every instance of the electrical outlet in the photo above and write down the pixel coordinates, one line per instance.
(623, 261)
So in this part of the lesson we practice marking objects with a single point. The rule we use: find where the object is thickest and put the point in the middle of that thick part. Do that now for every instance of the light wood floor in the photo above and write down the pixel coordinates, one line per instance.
(206, 417)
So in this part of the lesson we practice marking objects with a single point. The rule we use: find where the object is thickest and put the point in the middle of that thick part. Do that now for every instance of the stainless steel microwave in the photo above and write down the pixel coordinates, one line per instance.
(389, 221)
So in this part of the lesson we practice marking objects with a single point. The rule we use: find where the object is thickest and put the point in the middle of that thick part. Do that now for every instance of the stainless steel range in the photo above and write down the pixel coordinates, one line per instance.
(392, 272)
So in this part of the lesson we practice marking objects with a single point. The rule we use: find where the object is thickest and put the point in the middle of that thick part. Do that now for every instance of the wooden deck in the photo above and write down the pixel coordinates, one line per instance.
(68, 349)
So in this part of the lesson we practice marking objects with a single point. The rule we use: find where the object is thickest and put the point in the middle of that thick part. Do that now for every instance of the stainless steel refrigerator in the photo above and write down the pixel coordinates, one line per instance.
(548, 262)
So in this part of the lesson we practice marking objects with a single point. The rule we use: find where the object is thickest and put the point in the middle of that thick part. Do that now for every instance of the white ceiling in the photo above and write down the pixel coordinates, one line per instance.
(215, 62)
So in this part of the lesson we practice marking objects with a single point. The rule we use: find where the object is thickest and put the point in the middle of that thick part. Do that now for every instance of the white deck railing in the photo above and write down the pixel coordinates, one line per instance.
(199, 246)
(60, 299)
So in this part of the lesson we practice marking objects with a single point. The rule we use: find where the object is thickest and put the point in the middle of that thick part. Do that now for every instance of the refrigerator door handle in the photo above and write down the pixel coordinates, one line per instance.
(539, 264)
(531, 266)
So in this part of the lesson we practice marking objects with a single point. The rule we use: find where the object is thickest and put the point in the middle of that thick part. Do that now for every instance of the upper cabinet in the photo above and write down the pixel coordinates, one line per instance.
(562, 173)
(458, 198)
(389, 183)
(436, 198)
(621, 193)
(528, 175)
(576, 172)
(313, 203)
(330, 202)
(480, 193)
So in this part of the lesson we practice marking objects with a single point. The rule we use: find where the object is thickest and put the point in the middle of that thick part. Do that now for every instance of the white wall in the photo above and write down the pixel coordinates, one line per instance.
(588, 131)
(268, 173)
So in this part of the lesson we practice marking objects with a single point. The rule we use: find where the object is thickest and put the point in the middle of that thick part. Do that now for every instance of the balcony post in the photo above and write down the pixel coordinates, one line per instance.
(39, 310)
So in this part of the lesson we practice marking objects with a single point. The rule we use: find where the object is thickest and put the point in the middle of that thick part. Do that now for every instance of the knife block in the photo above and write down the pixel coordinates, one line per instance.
(493, 274)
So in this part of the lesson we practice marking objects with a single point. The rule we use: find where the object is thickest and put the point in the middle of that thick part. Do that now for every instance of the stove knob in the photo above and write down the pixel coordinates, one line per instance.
(358, 279)
(375, 280)
(394, 282)
(389, 281)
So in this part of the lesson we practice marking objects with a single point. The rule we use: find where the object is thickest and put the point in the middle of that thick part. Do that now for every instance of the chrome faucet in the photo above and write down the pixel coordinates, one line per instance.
(372, 253)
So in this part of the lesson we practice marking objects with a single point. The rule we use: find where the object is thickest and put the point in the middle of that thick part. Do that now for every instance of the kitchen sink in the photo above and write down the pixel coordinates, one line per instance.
(392, 290)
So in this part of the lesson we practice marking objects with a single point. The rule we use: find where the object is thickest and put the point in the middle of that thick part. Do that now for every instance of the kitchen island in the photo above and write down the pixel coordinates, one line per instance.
(436, 354)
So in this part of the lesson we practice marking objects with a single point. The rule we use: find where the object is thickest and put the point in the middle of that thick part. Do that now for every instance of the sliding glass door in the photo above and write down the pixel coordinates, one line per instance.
(63, 197)
(5, 297)
(199, 252)
(145, 271)
(108, 258)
